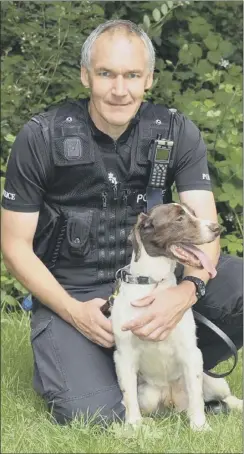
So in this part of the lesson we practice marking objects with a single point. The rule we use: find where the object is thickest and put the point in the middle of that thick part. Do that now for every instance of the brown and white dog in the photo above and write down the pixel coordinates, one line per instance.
(155, 374)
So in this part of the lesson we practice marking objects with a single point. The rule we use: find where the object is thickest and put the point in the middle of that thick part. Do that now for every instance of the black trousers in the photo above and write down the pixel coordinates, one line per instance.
(77, 377)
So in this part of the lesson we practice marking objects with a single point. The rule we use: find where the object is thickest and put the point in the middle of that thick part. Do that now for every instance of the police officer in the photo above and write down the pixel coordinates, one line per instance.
(76, 181)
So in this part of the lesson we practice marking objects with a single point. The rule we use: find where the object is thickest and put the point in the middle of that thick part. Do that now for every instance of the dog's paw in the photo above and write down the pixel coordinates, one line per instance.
(239, 405)
(134, 422)
(234, 403)
(122, 431)
(200, 427)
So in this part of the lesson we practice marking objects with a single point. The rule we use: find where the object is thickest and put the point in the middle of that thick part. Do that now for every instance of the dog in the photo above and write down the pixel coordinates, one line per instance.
(154, 375)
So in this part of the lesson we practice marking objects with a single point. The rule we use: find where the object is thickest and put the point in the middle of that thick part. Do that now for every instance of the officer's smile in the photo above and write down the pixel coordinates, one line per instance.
(119, 105)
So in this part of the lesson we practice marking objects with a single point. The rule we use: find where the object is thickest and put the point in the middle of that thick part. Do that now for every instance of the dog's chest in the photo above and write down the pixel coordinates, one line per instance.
(158, 362)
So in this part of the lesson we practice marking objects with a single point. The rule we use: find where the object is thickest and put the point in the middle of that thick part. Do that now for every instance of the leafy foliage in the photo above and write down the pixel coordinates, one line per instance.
(198, 71)
(202, 78)
(41, 44)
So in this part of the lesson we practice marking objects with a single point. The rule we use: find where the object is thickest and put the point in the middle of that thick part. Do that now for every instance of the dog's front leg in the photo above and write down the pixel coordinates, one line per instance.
(126, 363)
(193, 373)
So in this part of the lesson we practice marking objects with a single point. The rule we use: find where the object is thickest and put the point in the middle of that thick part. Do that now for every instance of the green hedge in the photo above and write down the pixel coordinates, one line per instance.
(198, 71)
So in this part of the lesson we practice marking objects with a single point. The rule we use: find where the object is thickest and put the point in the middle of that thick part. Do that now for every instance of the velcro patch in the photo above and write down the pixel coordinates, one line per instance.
(72, 148)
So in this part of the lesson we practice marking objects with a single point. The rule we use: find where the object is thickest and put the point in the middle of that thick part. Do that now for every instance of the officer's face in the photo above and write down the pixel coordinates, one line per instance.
(118, 77)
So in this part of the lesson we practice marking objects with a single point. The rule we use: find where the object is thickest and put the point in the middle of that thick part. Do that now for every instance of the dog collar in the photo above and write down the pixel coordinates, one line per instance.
(125, 276)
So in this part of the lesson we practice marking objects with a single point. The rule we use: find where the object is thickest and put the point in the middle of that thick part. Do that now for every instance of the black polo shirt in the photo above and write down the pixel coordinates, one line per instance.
(30, 163)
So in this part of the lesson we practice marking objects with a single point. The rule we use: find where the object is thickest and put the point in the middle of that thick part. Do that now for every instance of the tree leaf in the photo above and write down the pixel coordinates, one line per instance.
(199, 26)
(211, 42)
(164, 9)
(156, 15)
(223, 198)
(185, 57)
(225, 48)
(146, 21)
(10, 138)
(195, 50)
(10, 300)
(204, 67)
(214, 56)
(20, 287)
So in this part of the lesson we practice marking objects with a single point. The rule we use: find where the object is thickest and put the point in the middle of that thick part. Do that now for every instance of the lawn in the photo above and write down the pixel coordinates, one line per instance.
(27, 428)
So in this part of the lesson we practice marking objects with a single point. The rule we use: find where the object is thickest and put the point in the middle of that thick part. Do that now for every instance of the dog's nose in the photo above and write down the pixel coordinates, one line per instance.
(215, 228)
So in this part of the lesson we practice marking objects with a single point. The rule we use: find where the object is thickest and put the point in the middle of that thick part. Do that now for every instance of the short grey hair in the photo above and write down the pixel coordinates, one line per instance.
(116, 24)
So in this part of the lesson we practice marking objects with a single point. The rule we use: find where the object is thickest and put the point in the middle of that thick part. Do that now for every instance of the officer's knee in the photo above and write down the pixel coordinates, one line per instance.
(65, 411)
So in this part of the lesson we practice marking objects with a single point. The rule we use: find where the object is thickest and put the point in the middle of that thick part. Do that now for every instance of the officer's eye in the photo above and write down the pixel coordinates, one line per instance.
(132, 75)
(104, 73)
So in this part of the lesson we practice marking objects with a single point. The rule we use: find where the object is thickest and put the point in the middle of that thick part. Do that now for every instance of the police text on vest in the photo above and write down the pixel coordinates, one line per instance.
(9, 195)
(141, 197)
(205, 176)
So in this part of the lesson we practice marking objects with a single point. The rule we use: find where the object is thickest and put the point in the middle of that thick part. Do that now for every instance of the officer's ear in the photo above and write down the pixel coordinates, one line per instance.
(149, 81)
(84, 76)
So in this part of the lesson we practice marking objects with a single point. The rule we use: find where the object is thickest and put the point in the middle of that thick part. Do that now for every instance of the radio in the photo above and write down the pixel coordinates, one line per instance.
(161, 152)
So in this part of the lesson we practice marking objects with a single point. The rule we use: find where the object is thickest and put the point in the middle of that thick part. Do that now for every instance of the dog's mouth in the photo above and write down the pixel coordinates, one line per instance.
(202, 258)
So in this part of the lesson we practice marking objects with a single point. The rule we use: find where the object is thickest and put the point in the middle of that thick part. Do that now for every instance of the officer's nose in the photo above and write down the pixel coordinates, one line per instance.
(119, 86)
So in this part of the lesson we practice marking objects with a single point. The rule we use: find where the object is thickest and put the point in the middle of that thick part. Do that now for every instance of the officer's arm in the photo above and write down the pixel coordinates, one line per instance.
(17, 235)
(203, 204)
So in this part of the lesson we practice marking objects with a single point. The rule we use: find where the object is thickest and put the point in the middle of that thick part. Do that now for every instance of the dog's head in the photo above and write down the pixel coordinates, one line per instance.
(172, 231)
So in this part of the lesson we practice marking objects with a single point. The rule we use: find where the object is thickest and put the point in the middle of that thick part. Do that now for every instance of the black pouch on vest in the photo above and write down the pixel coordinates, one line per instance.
(79, 237)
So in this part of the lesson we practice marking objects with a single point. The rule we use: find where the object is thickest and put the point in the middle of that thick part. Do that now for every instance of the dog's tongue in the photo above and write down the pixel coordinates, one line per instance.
(204, 259)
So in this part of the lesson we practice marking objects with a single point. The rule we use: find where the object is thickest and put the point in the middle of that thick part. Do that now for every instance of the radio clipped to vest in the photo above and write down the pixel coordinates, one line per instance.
(161, 160)
(161, 152)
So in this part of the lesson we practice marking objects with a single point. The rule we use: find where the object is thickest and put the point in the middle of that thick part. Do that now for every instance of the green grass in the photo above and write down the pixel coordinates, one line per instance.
(27, 427)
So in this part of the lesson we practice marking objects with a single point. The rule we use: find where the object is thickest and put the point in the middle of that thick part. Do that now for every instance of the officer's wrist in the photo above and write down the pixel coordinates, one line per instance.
(189, 290)
(70, 309)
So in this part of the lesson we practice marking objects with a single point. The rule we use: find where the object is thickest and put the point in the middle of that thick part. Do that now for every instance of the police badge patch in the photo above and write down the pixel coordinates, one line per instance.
(112, 178)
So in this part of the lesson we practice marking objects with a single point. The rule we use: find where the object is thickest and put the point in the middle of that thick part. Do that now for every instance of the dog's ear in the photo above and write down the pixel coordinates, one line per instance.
(145, 222)
(185, 257)
(134, 238)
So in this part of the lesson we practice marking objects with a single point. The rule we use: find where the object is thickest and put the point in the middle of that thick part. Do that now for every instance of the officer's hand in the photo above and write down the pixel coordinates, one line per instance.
(162, 315)
(89, 320)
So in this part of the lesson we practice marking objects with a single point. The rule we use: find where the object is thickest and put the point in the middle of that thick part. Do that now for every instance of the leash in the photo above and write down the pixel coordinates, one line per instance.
(205, 321)
(106, 308)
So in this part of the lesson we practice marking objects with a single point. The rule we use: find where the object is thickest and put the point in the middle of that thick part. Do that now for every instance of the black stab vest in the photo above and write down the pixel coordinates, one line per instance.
(85, 219)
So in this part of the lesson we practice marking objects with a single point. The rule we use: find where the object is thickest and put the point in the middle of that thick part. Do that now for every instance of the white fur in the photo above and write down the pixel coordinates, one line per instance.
(151, 374)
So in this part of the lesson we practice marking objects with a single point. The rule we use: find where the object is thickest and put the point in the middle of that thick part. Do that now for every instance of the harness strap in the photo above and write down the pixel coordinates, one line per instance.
(154, 197)
(200, 318)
